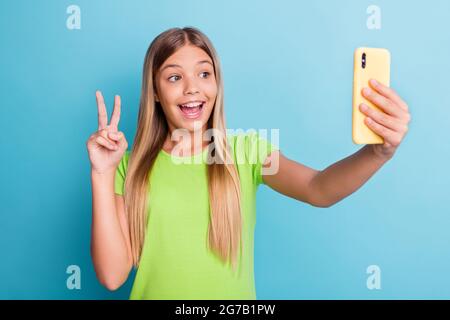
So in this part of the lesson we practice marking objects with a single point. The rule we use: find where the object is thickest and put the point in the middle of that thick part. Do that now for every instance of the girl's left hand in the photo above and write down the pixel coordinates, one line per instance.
(392, 125)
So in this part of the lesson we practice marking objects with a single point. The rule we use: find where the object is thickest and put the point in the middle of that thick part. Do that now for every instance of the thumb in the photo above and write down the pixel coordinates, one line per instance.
(118, 137)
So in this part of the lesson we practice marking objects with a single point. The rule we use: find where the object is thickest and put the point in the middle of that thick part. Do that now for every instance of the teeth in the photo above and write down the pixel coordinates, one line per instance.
(192, 105)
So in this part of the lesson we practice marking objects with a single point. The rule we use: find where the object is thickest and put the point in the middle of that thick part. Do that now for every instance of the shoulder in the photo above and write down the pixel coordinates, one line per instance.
(252, 144)
(250, 150)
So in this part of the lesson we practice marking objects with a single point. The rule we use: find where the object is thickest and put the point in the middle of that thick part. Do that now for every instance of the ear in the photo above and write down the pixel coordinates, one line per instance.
(156, 98)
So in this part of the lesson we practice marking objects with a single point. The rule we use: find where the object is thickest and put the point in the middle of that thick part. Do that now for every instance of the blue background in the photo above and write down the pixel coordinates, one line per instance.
(287, 65)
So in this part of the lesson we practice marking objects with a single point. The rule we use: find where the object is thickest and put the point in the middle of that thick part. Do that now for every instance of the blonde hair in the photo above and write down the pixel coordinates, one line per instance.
(224, 231)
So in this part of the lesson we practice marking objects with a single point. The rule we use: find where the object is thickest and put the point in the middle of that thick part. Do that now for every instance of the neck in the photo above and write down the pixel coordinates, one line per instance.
(190, 143)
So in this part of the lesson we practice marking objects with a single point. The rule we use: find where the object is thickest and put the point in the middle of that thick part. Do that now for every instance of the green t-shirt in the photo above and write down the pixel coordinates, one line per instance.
(176, 262)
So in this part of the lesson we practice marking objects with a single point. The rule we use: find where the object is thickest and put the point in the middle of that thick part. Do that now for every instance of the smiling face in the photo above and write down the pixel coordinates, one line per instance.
(187, 89)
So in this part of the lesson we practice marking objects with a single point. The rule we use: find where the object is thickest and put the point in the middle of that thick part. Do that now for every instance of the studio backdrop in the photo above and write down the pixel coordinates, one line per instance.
(287, 65)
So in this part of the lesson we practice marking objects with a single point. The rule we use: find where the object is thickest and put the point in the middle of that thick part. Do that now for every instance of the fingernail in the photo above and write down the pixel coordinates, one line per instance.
(366, 91)
(374, 82)
(363, 107)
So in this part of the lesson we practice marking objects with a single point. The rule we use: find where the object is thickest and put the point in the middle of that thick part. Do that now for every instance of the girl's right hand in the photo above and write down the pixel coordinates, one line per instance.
(107, 145)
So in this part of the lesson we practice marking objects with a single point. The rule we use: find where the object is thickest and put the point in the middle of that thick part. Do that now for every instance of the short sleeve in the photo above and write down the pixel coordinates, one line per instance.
(121, 171)
(258, 149)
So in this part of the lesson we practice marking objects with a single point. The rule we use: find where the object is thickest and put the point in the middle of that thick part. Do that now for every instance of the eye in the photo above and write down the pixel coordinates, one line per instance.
(172, 77)
(206, 73)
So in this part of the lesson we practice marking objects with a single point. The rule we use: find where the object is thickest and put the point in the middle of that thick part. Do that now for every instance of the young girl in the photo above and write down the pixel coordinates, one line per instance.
(188, 226)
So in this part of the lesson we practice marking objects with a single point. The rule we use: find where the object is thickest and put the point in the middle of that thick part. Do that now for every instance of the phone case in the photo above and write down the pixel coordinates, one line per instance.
(377, 66)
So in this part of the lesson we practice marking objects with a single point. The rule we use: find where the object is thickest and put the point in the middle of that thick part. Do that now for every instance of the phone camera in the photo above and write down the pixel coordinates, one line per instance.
(363, 60)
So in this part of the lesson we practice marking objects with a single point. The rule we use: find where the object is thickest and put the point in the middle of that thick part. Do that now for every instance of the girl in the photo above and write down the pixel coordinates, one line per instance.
(188, 227)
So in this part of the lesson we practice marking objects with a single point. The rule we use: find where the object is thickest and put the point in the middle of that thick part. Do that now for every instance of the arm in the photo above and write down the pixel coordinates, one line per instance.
(325, 188)
(110, 241)
(292, 179)
(110, 245)
(344, 177)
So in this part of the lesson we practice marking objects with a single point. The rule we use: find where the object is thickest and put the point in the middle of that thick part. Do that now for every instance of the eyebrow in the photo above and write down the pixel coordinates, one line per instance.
(178, 66)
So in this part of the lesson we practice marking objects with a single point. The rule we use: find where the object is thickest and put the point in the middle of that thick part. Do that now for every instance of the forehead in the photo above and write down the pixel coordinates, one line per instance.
(186, 57)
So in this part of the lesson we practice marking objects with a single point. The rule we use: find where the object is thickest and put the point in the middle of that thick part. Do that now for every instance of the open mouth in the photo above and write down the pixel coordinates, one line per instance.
(192, 110)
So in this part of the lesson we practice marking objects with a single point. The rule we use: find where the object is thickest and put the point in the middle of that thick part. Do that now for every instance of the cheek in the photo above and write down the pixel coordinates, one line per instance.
(210, 90)
(170, 93)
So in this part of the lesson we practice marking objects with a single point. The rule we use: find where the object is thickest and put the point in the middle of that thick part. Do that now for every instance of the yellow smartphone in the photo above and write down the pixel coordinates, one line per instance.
(369, 63)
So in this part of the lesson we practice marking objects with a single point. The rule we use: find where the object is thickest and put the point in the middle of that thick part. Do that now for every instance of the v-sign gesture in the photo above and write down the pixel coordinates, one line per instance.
(107, 145)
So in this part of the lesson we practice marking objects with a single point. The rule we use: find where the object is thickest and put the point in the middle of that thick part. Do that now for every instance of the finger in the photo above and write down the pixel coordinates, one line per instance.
(102, 115)
(387, 134)
(388, 93)
(116, 113)
(116, 136)
(383, 118)
(119, 137)
(104, 133)
(382, 102)
(105, 143)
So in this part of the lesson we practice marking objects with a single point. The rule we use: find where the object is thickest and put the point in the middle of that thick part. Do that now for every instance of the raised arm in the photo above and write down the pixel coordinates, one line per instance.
(110, 243)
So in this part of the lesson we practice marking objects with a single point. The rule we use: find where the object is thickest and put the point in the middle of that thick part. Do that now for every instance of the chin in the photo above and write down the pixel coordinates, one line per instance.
(192, 126)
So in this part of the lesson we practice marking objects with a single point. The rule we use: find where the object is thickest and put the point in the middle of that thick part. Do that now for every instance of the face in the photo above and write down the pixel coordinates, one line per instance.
(187, 88)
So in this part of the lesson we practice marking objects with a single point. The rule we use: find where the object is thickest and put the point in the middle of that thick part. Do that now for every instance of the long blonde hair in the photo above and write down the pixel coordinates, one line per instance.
(225, 224)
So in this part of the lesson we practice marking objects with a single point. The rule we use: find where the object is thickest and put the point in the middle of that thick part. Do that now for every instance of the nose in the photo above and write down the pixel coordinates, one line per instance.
(191, 86)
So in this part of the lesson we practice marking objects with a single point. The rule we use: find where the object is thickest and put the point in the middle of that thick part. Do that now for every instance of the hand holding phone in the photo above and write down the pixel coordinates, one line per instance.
(369, 63)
